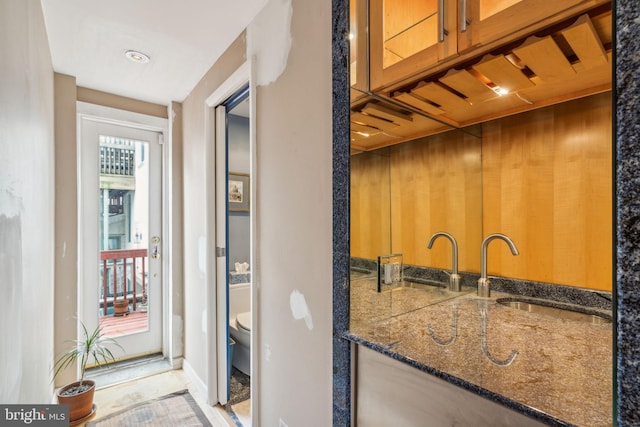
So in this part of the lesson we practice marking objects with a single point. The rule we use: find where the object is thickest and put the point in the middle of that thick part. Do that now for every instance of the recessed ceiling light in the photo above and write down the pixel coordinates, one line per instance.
(139, 57)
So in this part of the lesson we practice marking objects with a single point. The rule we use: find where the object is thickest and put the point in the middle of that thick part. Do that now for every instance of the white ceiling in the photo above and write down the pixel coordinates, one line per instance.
(184, 38)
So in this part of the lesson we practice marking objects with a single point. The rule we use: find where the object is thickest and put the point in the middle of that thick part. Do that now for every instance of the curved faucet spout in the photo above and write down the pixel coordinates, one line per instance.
(454, 277)
(485, 244)
(484, 283)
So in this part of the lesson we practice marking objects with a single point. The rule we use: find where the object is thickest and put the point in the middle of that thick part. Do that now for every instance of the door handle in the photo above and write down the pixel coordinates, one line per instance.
(155, 247)
(464, 21)
(441, 30)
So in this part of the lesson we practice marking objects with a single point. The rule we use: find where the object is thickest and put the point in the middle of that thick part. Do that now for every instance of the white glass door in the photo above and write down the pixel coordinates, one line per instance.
(121, 242)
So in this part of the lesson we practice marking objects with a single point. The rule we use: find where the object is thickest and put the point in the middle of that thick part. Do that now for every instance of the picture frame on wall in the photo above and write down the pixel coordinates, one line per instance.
(238, 192)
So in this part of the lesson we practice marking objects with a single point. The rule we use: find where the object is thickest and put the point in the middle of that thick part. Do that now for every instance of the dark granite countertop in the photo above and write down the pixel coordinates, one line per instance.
(556, 370)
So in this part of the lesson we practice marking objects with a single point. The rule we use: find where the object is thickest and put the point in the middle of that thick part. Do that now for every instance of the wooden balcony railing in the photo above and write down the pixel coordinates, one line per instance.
(123, 277)
(117, 160)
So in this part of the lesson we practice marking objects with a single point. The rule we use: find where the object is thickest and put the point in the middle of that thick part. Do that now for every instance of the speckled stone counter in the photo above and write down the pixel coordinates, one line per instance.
(558, 371)
(371, 306)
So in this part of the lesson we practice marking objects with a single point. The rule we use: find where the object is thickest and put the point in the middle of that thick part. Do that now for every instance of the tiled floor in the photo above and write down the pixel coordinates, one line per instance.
(242, 411)
(117, 397)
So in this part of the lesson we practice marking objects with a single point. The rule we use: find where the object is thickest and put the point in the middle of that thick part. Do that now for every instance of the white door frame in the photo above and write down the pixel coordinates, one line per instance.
(217, 343)
(156, 124)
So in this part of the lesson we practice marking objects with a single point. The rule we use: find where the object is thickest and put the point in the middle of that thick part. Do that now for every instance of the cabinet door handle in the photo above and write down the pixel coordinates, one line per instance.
(441, 30)
(464, 21)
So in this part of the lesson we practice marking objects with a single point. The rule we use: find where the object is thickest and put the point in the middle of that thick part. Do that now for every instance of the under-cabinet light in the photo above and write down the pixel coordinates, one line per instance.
(500, 90)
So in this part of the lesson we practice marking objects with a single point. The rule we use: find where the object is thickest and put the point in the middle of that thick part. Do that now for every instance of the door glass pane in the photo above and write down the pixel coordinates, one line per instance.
(410, 26)
(353, 34)
(123, 235)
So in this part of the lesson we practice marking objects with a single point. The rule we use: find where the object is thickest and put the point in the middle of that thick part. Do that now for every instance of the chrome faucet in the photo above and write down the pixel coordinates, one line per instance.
(454, 277)
(484, 283)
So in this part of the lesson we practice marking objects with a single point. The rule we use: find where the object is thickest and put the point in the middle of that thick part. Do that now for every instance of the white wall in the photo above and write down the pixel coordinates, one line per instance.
(26, 204)
(294, 209)
(294, 161)
(66, 225)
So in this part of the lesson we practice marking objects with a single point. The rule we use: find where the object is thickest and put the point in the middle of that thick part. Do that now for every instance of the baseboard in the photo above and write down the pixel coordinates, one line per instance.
(200, 386)
(177, 362)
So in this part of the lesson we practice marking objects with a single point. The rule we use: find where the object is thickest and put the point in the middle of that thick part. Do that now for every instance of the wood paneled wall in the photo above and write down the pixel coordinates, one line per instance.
(545, 180)
(437, 186)
(547, 184)
(370, 204)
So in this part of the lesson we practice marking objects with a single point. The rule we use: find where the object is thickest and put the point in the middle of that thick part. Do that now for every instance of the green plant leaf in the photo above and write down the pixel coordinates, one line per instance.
(91, 345)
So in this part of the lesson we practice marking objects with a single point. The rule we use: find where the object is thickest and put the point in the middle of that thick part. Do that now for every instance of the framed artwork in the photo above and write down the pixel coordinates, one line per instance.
(238, 192)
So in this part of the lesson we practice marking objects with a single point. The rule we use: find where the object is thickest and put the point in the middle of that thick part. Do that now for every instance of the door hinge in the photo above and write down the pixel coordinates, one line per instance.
(221, 252)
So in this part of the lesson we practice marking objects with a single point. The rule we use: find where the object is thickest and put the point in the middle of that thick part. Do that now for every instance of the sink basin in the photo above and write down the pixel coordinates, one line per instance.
(557, 310)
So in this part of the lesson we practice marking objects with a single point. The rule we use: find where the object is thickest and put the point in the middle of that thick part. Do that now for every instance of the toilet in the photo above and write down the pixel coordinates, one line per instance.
(240, 331)
(240, 325)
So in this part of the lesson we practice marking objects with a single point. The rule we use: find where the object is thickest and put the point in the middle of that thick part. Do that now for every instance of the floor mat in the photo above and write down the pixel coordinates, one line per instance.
(175, 409)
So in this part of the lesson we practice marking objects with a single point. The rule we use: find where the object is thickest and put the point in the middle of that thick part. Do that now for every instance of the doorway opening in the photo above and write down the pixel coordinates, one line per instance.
(121, 260)
(231, 200)
(233, 130)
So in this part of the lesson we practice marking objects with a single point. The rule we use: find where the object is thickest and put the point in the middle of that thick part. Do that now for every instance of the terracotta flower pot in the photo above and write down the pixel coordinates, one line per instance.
(81, 404)
(120, 307)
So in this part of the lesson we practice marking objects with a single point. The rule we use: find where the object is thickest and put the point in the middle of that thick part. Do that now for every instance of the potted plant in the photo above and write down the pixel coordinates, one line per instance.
(79, 395)
(120, 307)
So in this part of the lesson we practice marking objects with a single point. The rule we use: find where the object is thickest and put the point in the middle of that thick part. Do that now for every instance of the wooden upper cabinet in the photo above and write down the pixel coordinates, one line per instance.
(482, 22)
(420, 81)
(410, 37)
(358, 48)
